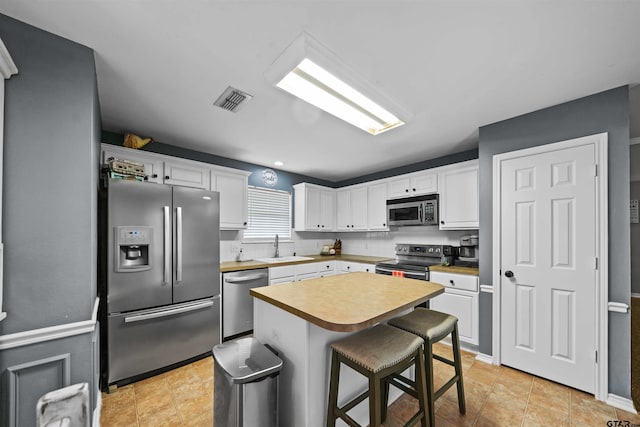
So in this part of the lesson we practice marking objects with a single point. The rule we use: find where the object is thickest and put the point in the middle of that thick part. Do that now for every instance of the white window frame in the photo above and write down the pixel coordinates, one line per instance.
(284, 236)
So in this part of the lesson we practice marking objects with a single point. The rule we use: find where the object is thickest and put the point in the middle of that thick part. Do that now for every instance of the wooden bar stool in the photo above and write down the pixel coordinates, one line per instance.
(380, 353)
(432, 326)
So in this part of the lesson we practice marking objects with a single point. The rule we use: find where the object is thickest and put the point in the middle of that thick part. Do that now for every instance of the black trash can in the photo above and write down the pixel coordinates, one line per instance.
(245, 376)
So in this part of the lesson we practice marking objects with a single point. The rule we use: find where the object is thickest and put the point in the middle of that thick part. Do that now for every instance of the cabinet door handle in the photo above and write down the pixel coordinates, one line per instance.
(441, 222)
(167, 177)
(155, 175)
(414, 189)
(406, 190)
(452, 282)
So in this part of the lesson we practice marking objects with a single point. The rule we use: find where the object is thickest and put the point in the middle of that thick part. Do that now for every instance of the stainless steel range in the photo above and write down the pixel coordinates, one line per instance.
(413, 260)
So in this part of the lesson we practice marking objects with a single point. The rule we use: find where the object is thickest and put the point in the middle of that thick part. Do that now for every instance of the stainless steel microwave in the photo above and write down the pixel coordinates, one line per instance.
(418, 210)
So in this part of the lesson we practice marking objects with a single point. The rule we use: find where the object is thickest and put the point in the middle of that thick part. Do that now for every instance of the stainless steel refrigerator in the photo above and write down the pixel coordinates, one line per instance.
(162, 280)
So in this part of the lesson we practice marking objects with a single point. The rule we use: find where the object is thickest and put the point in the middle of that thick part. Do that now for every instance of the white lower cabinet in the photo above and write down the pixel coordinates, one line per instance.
(460, 299)
(351, 267)
(299, 272)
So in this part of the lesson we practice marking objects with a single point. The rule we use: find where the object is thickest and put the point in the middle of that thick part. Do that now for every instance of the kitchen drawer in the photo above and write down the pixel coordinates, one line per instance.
(281, 280)
(302, 269)
(306, 276)
(326, 268)
(280, 272)
(455, 281)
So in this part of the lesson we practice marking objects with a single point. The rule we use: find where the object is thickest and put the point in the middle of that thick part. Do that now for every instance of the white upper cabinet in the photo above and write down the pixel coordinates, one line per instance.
(351, 209)
(459, 197)
(413, 185)
(233, 189)
(187, 174)
(377, 206)
(314, 208)
(153, 165)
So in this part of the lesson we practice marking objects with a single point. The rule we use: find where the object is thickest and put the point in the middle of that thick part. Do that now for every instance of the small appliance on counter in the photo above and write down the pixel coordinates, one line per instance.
(468, 251)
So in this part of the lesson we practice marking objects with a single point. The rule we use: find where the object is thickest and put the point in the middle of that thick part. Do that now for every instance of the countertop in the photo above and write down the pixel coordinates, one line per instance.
(229, 266)
(348, 302)
(456, 269)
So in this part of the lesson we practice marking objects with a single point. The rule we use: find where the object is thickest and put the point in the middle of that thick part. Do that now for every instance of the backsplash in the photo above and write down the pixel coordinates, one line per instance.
(373, 243)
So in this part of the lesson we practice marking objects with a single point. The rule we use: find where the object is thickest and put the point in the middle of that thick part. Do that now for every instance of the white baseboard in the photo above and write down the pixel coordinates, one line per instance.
(485, 358)
(621, 403)
(96, 412)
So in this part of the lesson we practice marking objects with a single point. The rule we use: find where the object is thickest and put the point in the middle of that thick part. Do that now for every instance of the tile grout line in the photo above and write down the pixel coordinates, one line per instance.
(484, 402)
(526, 405)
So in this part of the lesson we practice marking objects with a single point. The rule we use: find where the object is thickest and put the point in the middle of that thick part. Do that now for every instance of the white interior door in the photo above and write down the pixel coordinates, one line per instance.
(548, 264)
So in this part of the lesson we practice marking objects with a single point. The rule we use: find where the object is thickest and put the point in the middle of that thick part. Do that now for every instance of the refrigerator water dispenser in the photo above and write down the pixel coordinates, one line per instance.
(132, 248)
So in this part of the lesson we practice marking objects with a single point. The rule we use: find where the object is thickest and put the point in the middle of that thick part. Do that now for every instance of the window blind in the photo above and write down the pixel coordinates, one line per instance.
(269, 214)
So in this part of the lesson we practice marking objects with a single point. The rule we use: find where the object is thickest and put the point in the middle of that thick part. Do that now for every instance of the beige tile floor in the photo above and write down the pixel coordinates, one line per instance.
(495, 396)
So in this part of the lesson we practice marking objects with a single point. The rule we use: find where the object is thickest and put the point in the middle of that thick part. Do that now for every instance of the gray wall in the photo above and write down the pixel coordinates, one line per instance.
(603, 112)
(635, 228)
(52, 128)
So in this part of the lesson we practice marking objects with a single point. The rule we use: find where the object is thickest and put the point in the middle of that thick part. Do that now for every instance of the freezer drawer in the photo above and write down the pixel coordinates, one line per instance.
(146, 340)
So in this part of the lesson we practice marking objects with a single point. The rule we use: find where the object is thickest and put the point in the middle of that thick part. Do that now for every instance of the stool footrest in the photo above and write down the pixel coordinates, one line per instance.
(403, 384)
(444, 360)
(352, 404)
(442, 390)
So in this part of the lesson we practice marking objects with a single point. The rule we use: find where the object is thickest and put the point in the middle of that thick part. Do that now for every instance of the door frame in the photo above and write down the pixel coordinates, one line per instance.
(600, 141)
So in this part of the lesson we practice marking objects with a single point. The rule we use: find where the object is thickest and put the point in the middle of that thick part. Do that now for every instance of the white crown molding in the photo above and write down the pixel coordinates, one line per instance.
(618, 307)
(20, 339)
(7, 66)
(486, 288)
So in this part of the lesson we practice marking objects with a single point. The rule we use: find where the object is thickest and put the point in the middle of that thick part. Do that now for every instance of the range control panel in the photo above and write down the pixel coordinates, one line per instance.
(434, 251)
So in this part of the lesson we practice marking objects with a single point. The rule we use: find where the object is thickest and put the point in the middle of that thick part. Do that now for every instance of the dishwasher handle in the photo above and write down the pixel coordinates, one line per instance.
(247, 278)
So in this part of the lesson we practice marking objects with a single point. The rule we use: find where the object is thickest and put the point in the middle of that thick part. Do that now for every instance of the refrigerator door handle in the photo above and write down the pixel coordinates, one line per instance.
(178, 244)
(166, 313)
(167, 245)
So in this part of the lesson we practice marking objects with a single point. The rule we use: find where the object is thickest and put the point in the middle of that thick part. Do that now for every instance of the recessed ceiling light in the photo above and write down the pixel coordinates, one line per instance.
(311, 72)
(278, 163)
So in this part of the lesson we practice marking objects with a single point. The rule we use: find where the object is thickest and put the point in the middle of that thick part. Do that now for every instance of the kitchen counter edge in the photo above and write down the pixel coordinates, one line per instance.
(455, 269)
(229, 266)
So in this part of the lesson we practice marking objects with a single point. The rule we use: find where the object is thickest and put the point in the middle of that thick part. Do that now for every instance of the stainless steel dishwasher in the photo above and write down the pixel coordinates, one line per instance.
(237, 304)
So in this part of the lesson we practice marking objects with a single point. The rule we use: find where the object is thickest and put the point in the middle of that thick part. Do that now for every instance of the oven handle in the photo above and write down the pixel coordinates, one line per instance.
(390, 271)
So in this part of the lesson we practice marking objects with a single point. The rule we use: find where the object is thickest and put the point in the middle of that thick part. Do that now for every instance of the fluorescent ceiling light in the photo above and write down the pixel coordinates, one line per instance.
(340, 92)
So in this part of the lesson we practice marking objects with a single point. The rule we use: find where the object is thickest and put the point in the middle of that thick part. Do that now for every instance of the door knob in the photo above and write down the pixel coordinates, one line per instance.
(508, 273)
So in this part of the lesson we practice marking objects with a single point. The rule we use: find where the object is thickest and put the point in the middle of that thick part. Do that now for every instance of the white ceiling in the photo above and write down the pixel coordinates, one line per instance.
(453, 65)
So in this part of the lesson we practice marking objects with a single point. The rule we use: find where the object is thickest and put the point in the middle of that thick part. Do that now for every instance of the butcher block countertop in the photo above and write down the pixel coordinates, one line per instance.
(348, 302)
(229, 266)
(456, 269)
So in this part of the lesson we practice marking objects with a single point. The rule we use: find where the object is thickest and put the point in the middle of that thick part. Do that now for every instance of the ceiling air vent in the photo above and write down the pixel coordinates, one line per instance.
(232, 99)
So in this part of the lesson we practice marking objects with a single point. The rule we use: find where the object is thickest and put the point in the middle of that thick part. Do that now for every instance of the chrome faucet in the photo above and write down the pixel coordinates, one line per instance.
(276, 245)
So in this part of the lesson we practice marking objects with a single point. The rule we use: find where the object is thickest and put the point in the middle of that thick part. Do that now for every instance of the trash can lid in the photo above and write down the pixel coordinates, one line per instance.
(246, 360)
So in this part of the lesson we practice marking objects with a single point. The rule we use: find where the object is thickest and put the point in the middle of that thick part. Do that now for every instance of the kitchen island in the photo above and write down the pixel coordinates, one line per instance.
(300, 320)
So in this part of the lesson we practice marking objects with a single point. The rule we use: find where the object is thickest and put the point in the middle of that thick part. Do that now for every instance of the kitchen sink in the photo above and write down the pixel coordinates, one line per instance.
(292, 258)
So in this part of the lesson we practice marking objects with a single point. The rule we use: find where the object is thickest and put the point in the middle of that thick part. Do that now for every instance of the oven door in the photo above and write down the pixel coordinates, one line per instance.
(409, 274)
(409, 213)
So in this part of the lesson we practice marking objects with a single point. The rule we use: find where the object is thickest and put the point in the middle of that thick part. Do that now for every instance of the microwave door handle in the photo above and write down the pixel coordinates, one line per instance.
(421, 213)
